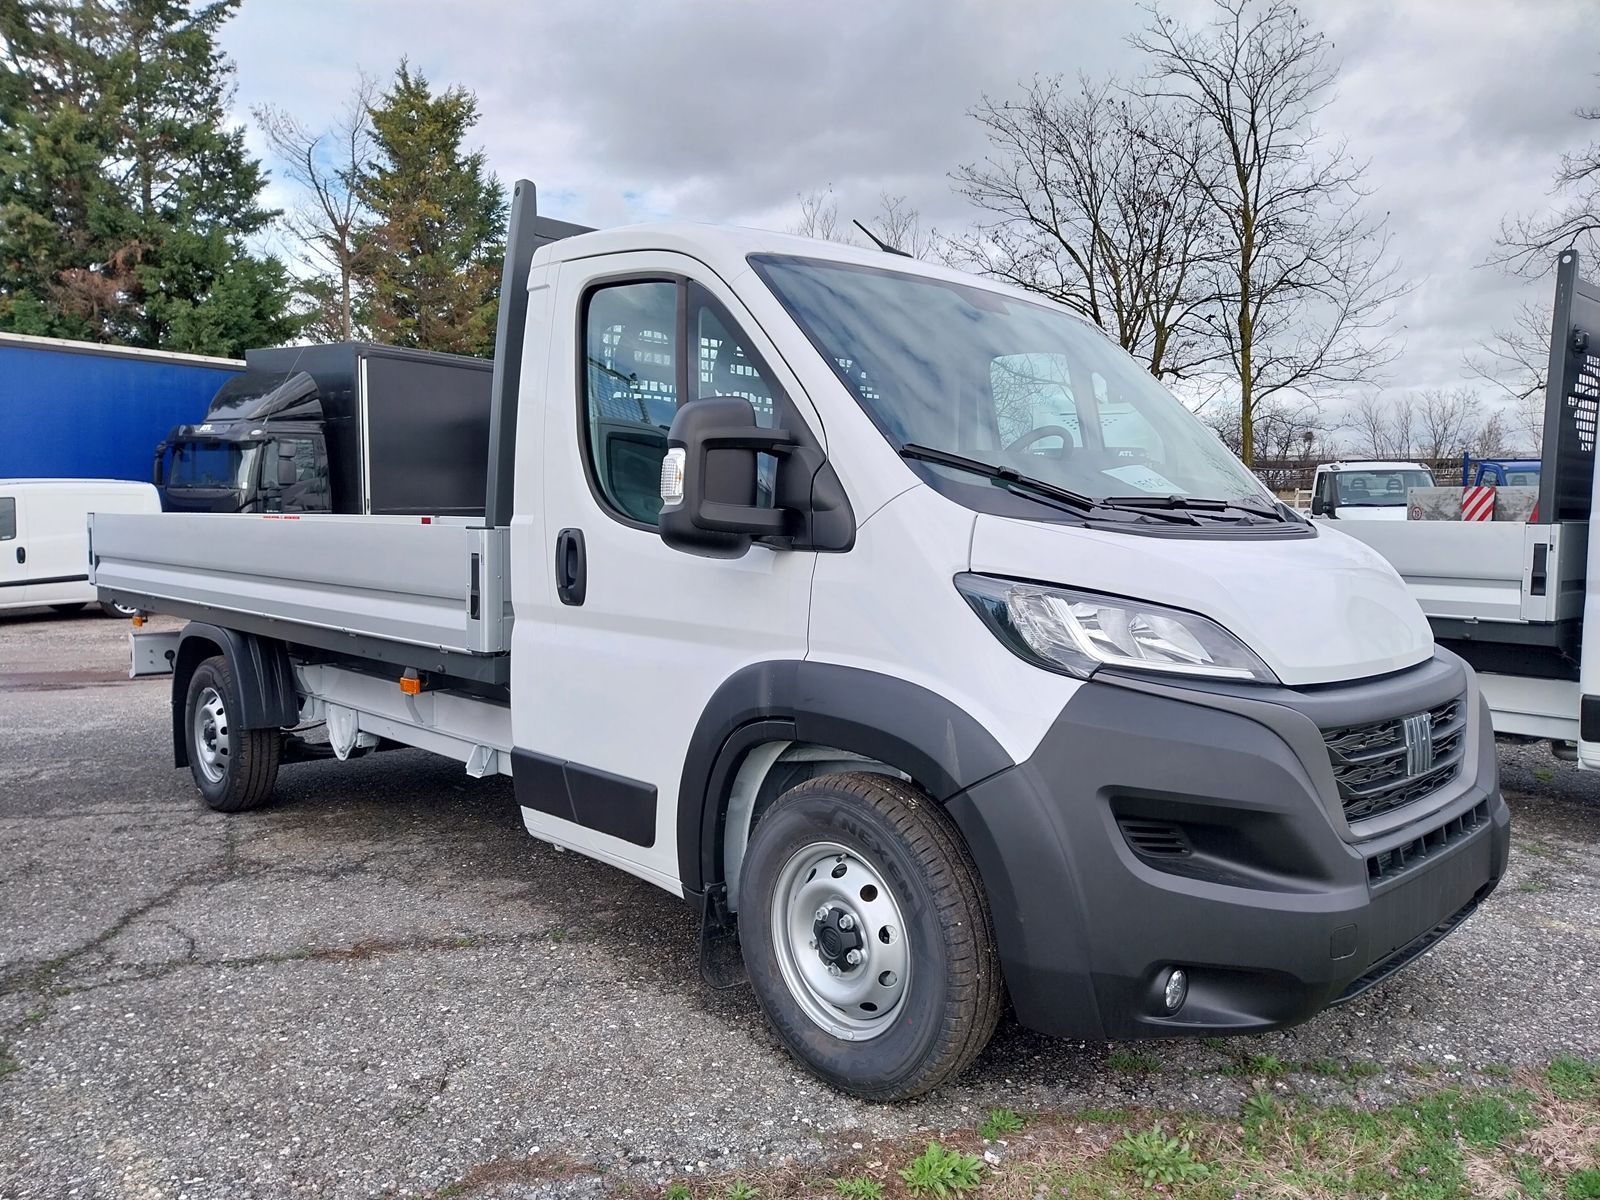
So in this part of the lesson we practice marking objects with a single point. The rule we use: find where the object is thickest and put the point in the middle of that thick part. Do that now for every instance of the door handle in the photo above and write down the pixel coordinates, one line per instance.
(572, 566)
(22, 555)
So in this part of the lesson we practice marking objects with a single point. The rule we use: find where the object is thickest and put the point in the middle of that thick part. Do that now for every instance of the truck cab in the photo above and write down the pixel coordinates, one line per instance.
(1365, 491)
(1503, 472)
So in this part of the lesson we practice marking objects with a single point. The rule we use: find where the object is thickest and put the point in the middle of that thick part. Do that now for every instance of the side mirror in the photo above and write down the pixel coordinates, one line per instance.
(1320, 507)
(708, 479)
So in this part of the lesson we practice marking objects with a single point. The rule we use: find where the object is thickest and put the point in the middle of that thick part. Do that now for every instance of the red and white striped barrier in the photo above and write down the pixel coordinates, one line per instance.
(1477, 503)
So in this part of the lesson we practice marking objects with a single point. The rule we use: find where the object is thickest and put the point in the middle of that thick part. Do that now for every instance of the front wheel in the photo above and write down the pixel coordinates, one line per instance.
(234, 768)
(867, 937)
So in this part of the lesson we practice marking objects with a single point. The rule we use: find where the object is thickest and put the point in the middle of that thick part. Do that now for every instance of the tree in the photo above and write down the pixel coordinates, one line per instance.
(1091, 202)
(1431, 425)
(1516, 359)
(1305, 278)
(326, 165)
(896, 223)
(431, 250)
(1528, 245)
(1289, 436)
(128, 199)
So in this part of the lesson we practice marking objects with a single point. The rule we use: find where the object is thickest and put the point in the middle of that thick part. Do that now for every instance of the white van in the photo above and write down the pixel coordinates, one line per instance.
(44, 538)
(1366, 491)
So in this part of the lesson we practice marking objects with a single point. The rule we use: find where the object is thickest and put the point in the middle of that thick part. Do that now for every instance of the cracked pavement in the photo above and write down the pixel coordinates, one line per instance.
(380, 986)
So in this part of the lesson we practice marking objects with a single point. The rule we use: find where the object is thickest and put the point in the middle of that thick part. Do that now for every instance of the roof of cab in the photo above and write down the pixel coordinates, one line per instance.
(1373, 465)
(725, 249)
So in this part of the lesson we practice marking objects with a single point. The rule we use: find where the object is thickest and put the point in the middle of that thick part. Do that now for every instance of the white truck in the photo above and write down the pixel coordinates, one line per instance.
(1513, 597)
(813, 587)
(1365, 491)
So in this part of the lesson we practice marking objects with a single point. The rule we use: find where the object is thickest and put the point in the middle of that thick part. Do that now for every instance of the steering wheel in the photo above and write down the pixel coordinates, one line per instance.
(1038, 435)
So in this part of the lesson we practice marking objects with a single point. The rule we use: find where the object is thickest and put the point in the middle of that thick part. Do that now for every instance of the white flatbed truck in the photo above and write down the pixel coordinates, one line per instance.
(1514, 598)
(899, 621)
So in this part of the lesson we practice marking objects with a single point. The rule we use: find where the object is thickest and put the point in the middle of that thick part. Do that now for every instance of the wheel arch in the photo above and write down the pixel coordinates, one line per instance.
(837, 717)
(260, 668)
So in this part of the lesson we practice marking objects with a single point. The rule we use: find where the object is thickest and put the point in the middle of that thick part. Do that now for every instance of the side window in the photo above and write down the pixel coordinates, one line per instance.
(295, 474)
(630, 391)
(8, 518)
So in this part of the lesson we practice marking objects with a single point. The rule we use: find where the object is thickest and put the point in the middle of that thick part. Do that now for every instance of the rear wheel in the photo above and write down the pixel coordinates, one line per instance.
(112, 608)
(234, 768)
(866, 936)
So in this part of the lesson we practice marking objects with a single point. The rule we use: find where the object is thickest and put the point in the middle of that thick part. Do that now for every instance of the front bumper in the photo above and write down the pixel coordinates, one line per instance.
(1159, 826)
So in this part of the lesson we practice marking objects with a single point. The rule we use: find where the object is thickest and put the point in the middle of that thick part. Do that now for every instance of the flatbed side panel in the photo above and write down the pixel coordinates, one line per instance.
(1524, 706)
(1462, 570)
(396, 578)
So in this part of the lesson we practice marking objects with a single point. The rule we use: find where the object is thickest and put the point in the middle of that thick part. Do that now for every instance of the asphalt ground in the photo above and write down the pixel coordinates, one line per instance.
(381, 986)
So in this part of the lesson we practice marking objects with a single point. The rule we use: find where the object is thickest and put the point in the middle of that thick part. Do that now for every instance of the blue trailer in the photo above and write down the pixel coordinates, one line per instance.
(76, 410)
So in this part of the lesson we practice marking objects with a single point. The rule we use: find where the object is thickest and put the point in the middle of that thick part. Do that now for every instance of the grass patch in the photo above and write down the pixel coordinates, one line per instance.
(8, 1065)
(999, 1123)
(1573, 1078)
(677, 1191)
(739, 1189)
(1363, 1068)
(1156, 1159)
(1324, 1066)
(941, 1173)
(1133, 1062)
(858, 1187)
(1535, 1136)
(1259, 1066)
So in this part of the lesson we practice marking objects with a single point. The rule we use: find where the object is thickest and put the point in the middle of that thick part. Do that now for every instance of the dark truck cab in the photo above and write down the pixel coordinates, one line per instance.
(350, 427)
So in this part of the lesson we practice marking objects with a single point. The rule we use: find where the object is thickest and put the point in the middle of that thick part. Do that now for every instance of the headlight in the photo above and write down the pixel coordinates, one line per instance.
(1076, 632)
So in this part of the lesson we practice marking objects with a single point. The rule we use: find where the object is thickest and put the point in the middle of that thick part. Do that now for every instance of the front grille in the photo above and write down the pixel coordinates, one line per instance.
(1378, 771)
(1389, 865)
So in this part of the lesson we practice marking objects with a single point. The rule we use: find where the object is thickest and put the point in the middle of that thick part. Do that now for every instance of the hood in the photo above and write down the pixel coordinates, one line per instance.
(1316, 610)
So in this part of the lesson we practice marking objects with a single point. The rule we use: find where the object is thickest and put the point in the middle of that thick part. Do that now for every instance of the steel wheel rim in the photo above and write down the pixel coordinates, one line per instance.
(211, 735)
(859, 1001)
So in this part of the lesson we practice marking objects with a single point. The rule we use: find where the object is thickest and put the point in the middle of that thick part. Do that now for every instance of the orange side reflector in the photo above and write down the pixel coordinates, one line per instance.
(411, 685)
(137, 621)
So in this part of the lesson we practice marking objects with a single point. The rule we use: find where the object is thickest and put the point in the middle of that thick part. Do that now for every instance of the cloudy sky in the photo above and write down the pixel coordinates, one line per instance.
(730, 109)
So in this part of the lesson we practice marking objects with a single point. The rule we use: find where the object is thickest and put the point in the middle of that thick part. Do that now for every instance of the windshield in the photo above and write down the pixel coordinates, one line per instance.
(1012, 383)
(1379, 489)
(211, 465)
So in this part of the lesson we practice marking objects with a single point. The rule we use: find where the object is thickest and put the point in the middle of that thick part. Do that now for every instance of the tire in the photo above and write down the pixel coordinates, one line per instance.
(930, 996)
(234, 768)
(112, 609)
(66, 610)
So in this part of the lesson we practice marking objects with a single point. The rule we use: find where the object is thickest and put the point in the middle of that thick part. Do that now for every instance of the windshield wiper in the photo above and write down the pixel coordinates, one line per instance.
(1196, 504)
(1027, 484)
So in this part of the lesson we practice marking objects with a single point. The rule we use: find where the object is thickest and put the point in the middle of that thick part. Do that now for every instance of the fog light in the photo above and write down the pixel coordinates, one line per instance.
(1176, 991)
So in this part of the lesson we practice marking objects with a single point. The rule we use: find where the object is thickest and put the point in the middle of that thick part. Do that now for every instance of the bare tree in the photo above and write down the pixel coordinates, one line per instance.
(1307, 279)
(819, 217)
(326, 164)
(1527, 245)
(899, 225)
(1516, 359)
(1449, 421)
(1380, 426)
(1089, 203)
(1290, 439)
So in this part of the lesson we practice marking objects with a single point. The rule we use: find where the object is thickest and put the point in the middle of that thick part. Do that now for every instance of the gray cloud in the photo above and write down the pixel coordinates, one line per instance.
(728, 110)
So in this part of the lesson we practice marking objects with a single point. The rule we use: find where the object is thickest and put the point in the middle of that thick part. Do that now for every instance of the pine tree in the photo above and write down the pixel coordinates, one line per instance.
(430, 255)
(126, 199)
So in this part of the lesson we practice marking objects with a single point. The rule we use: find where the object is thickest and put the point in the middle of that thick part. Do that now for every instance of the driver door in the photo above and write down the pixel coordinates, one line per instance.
(619, 641)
